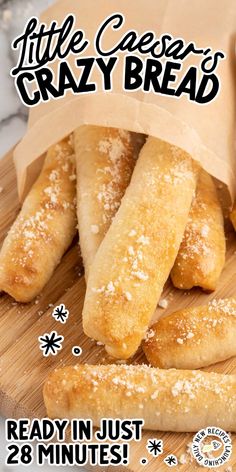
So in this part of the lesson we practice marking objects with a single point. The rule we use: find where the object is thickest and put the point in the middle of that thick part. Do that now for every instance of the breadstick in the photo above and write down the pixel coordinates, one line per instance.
(233, 216)
(202, 252)
(167, 400)
(105, 158)
(194, 337)
(43, 230)
(135, 258)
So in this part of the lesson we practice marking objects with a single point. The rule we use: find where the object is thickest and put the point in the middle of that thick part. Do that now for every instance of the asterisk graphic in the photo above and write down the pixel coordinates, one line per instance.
(154, 446)
(171, 460)
(60, 313)
(50, 343)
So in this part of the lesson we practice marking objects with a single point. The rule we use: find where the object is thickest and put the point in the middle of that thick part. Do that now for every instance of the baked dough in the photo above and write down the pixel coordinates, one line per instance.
(194, 337)
(167, 400)
(44, 229)
(135, 258)
(201, 256)
(233, 216)
(105, 159)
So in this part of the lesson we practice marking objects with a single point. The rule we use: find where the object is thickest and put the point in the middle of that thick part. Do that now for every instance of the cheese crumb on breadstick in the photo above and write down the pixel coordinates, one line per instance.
(194, 337)
(44, 229)
(135, 258)
(201, 256)
(167, 400)
(105, 159)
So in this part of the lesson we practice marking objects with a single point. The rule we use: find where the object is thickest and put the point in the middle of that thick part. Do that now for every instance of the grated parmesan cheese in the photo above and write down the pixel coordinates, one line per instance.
(94, 229)
(163, 303)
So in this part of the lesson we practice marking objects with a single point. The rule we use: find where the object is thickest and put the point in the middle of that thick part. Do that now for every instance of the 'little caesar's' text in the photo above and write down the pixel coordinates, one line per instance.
(150, 64)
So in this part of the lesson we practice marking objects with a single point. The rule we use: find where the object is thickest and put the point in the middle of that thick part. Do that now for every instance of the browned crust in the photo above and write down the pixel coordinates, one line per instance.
(135, 258)
(201, 256)
(194, 337)
(43, 229)
(167, 400)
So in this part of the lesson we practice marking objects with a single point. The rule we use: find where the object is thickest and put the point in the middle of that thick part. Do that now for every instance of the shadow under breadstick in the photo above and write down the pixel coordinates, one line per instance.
(167, 400)
(135, 258)
(201, 256)
(233, 216)
(44, 229)
(105, 159)
(194, 337)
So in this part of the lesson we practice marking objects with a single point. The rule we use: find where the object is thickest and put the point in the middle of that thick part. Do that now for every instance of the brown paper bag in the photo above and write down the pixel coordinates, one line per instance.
(206, 132)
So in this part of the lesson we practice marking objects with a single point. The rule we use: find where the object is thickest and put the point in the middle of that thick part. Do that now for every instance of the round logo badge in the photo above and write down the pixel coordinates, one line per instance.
(211, 447)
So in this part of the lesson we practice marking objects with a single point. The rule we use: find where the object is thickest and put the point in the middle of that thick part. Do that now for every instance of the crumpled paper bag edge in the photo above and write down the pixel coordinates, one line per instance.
(121, 112)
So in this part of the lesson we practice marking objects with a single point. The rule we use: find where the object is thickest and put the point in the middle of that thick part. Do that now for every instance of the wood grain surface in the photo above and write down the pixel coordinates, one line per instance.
(23, 368)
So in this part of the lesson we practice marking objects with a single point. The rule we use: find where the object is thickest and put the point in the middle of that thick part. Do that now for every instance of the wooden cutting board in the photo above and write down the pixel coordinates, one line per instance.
(23, 368)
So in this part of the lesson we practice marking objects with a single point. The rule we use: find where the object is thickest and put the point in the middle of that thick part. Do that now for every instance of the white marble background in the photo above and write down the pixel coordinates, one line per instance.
(13, 120)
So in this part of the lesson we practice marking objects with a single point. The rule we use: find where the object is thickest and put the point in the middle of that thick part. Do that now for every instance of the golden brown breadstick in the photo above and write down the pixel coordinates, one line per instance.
(105, 158)
(135, 258)
(44, 229)
(202, 252)
(233, 216)
(194, 337)
(167, 400)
